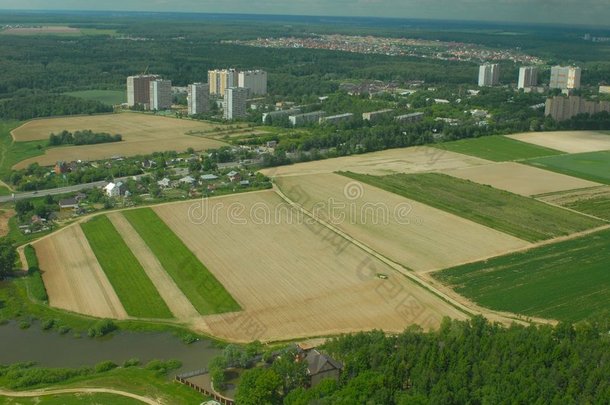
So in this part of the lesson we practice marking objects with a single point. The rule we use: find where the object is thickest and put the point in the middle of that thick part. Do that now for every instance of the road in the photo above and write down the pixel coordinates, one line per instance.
(59, 190)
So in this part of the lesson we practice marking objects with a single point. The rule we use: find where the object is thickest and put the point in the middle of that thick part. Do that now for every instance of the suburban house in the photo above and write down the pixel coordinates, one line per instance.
(209, 177)
(165, 182)
(61, 167)
(68, 204)
(320, 367)
(233, 176)
(114, 189)
(187, 180)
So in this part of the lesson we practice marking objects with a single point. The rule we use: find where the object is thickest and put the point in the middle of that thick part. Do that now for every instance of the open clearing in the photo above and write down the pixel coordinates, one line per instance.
(73, 278)
(520, 179)
(594, 166)
(142, 134)
(497, 148)
(519, 216)
(567, 141)
(130, 281)
(592, 201)
(293, 278)
(413, 234)
(203, 290)
(42, 30)
(405, 160)
(568, 280)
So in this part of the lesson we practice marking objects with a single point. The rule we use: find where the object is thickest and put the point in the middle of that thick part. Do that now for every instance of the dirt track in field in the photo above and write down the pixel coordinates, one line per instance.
(294, 278)
(178, 304)
(63, 391)
(520, 179)
(73, 278)
(405, 160)
(5, 216)
(413, 234)
(142, 134)
(567, 141)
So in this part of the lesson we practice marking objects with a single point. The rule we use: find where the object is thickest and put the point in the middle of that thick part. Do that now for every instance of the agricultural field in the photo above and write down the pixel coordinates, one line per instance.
(593, 166)
(405, 160)
(110, 97)
(593, 201)
(497, 148)
(522, 217)
(73, 277)
(417, 236)
(142, 134)
(292, 276)
(566, 281)
(520, 179)
(567, 141)
(129, 280)
(202, 289)
(42, 30)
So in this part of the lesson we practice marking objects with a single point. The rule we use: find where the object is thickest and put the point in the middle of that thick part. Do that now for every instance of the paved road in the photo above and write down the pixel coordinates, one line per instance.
(56, 191)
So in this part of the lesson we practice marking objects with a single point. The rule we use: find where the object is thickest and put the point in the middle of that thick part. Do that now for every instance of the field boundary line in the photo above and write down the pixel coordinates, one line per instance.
(60, 391)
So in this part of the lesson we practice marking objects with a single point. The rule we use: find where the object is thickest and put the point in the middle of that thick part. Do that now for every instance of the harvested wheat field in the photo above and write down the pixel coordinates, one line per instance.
(520, 179)
(413, 234)
(73, 278)
(142, 134)
(292, 277)
(567, 141)
(405, 160)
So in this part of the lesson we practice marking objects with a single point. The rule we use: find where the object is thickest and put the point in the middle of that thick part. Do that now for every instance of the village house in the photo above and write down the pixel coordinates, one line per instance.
(319, 365)
(164, 183)
(68, 204)
(233, 176)
(114, 189)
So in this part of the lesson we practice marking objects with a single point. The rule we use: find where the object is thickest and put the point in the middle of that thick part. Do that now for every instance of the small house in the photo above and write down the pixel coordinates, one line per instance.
(61, 168)
(114, 189)
(187, 180)
(68, 204)
(233, 176)
(209, 177)
(321, 366)
(164, 183)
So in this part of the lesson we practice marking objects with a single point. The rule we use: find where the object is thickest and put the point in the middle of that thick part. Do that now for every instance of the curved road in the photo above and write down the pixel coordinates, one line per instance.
(39, 393)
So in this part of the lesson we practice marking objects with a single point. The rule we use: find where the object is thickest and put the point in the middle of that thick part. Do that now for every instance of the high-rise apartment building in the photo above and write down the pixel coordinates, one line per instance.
(198, 95)
(160, 94)
(138, 89)
(254, 80)
(528, 77)
(221, 79)
(235, 103)
(563, 108)
(565, 77)
(489, 75)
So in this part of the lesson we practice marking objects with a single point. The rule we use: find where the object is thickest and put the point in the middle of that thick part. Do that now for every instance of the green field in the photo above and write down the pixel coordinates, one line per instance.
(598, 207)
(133, 287)
(14, 152)
(497, 148)
(513, 214)
(200, 286)
(110, 97)
(69, 399)
(566, 281)
(594, 166)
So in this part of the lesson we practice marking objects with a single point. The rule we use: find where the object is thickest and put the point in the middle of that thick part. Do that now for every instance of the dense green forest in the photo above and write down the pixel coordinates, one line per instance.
(464, 362)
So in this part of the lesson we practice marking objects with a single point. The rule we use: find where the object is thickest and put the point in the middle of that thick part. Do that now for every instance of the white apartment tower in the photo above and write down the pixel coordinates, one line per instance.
(198, 98)
(528, 77)
(254, 80)
(489, 75)
(138, 89)
(160, 94)
(221, 79)
(565, 77)
(235, 103)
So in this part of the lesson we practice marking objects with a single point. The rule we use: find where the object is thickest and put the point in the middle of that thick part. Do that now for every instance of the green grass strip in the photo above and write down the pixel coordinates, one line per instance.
(197, 283)
(133, 287)
(523, 217)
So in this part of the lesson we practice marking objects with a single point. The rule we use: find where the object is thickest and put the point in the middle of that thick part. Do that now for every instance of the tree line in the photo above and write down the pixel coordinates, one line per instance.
(86, 137)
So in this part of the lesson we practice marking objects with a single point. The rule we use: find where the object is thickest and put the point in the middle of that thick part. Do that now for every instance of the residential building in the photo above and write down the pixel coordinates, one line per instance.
(413, 117)
(307, 118)
(321, 366)
(335, 119)
(235, 103)
(160, 94)
(489, 75)
(375, 115)
(604, 89)
(528, 77)
(565, 77)
(138, 89)
(271, 116)
(220, 80)
(253, 80)
(114, 189)
(198, 97)
(563, 108)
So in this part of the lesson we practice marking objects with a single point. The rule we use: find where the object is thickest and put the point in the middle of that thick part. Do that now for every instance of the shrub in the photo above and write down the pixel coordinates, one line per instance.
(48, 324)
(131, 363)
(105, 366)
(101, 328)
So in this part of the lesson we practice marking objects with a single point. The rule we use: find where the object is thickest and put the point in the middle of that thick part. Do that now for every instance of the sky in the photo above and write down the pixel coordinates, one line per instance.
(579, 12)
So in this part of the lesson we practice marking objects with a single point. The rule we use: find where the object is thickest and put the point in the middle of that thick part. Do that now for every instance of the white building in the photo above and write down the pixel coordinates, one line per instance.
(374, 115)
(489, 75)
(565, 77)
(335, 119)
(160, 94)
(198, 97)
(235, 103)
(528, 77)
(307, 118)
(113, 189)
(604, 89)
(269, 117)
(254, 80)
(413, 117)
